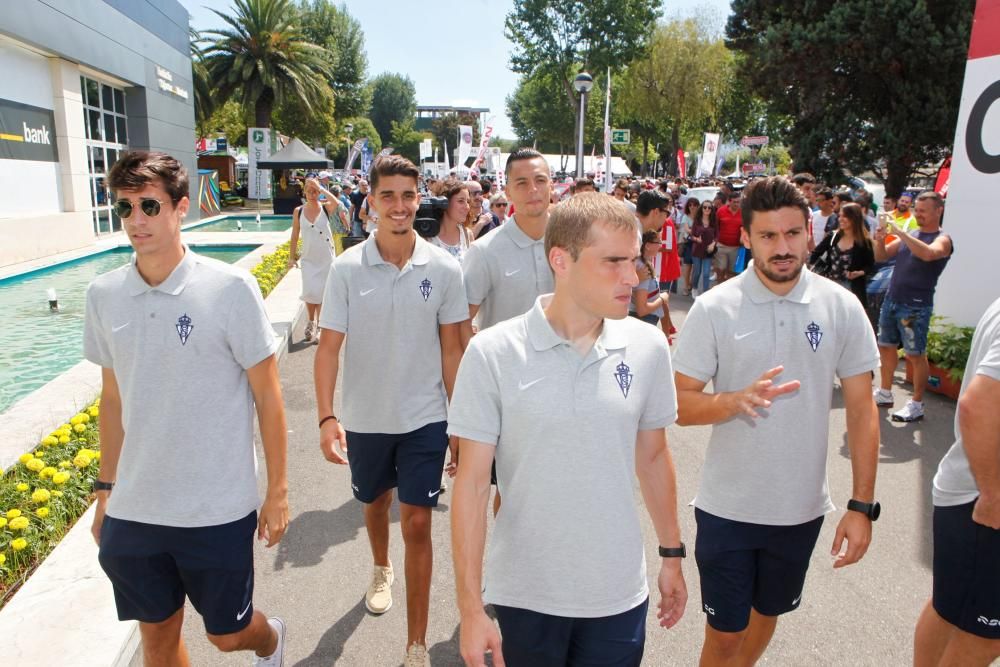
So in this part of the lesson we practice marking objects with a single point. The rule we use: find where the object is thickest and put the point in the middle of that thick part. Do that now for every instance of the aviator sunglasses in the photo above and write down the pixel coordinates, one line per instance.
(150, 207)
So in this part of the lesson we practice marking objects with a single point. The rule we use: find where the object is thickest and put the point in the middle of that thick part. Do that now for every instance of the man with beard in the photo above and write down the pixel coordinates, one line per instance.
(763, 491)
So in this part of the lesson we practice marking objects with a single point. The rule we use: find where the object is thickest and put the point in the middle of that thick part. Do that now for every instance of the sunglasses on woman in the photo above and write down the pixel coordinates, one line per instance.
(500, 204)
(150, 207)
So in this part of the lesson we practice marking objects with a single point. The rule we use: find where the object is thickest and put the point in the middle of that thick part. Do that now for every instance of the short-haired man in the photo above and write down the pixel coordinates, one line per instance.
(652, 209)
(620, 193)
(485, 220)
(730, 224)
(566, 573)
(903, 216)
(582, 185)
(400, 304)
(763, 491)
(824, 219)
(186, 352)
(921, 257)
(960, 625)
(806, 183)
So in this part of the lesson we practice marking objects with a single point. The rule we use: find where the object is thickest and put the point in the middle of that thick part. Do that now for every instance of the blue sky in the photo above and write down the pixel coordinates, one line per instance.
(454, 50)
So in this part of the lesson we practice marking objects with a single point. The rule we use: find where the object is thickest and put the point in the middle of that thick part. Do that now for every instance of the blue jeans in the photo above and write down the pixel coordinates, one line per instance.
(357, 228)
(900, 323)
(702, 272)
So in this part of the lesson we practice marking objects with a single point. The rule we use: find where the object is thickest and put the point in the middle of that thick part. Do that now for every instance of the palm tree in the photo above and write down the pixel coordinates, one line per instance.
(263, 56)
(204, 102)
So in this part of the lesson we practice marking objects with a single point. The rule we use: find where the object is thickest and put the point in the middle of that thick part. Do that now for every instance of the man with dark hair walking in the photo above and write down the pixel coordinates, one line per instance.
(763, 492)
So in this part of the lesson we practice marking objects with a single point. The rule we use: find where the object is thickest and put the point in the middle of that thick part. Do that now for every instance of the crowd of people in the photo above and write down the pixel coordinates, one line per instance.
(504, 345)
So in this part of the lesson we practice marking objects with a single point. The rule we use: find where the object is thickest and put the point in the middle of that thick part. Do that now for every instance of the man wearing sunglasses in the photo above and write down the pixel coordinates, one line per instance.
(186, 351)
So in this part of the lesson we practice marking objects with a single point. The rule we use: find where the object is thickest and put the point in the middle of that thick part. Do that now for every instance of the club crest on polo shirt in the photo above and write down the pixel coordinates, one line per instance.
(425, 288)
(184, 328)
(623, 376)
(814, 335)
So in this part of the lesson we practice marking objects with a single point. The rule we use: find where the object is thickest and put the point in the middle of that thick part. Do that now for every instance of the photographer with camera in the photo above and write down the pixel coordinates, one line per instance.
(398, 304)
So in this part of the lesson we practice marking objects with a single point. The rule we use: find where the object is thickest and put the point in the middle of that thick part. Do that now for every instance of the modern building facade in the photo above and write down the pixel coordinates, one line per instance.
(83, 81)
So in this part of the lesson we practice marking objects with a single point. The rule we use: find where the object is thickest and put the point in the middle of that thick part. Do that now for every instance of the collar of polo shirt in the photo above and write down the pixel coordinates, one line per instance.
(759, 293)
(544, 337)
(517, 235)
(421, 252)
(173, 285)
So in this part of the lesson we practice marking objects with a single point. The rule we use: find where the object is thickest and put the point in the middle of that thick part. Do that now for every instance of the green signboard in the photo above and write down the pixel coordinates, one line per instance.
(619, 137)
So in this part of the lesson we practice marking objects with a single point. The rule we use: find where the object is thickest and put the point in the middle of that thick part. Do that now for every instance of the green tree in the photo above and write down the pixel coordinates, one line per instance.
(677, 89)
(229, 118)
(870, 85)
(361, 128)
(315, 125)
(563, 37)
(263, 56)
(394, 100)
(340, 33)
(406, 140)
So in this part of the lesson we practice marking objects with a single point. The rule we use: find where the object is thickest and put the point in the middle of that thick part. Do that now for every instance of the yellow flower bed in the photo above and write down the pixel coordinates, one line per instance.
(43, 494)
(272, 269)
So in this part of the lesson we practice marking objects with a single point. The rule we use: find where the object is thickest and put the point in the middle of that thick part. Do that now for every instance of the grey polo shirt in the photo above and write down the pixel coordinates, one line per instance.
(954, 483)
(568, 540)
(772, 470)
(505, 271)
(392, 380)
(179, 352)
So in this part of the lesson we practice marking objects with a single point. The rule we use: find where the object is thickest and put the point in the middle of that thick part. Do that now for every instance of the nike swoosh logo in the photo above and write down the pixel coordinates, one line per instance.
(366, 292)
(796, 600)
(119, 327)
(510, 273)
(239, 616)
(431, 494)
(521, 385)
(743, 335)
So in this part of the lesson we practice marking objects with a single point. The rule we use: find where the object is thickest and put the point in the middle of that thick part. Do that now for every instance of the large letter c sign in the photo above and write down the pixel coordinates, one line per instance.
(980, 159)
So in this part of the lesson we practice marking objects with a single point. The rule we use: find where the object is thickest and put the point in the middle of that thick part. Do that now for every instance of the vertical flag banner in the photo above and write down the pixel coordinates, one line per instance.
(447, 160)
(366, 158)
(681, 163)
(352, 154)
(964, 293)
(608, 176)
(425, 149)
(487, 133)
(709, 154)
(464, 146)
(385, 151)
(261, 143)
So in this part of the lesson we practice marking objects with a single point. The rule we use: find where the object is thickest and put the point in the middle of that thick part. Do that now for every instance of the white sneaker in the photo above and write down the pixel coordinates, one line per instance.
(309, 331)
(276, 659)
(913, 411)
(416, 656)
(378, 599)
(883, 398)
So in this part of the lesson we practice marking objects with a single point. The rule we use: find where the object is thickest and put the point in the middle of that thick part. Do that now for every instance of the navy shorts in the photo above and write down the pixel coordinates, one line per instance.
(152, 568)
(532, 639)
(748, 565)
(412, 462)
(966, 571)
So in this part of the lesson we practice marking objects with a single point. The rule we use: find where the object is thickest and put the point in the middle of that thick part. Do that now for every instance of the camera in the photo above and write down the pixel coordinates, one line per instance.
(429, 215)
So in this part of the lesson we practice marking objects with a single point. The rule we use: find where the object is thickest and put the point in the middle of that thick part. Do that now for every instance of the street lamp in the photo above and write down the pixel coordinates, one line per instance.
(582, 84)
(347, 167)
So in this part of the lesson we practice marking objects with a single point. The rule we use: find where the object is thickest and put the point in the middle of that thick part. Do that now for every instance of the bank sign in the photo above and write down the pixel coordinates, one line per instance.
(969, 284)
(27, 133)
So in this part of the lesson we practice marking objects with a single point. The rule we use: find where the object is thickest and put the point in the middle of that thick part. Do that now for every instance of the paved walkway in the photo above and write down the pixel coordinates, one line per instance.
(860, 616)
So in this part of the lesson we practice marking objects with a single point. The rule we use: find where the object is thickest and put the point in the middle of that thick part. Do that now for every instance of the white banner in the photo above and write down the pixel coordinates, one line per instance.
(425, 149)
(708, 153)
(965, 291)
(385, 151)
(352, 154)
(447, 160)
(483, 144)
(262, 145)
(464, 146)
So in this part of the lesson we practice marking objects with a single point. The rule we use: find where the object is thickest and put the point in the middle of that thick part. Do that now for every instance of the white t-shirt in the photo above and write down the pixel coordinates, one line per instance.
(819, 225)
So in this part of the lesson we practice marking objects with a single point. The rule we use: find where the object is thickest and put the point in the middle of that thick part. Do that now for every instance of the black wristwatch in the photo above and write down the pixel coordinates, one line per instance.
(103, 486)
(870, 510)
(674, 552)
